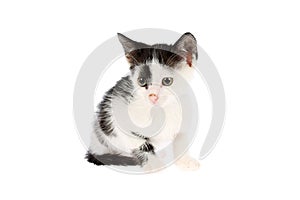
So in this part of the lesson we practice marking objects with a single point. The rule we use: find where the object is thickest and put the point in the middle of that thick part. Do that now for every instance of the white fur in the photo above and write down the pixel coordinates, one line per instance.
(139, 111)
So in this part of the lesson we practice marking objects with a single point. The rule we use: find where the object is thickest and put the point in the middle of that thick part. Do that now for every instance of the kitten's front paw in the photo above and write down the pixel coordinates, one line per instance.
(188, 163)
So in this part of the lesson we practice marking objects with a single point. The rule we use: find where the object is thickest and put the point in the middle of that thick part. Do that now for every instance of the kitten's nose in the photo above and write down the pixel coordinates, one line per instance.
(153, 98)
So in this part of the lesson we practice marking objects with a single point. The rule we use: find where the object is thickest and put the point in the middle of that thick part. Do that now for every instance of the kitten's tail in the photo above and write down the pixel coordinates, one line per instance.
(111, 159)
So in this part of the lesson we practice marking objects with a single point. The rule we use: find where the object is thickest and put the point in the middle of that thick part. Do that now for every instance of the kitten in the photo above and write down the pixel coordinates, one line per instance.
(153, 70)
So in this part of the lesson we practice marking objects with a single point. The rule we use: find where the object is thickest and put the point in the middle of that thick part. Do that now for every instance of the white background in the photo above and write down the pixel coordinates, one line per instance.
(255, 46)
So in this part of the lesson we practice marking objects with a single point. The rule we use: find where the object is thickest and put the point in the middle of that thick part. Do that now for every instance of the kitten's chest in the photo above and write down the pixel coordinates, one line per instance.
(164, 121)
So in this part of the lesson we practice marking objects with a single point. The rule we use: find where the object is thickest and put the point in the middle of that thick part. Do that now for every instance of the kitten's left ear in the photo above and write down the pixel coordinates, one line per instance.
(186, 46)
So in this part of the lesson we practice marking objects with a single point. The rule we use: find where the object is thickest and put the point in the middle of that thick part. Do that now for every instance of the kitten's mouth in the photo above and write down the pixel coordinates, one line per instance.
(153, 98)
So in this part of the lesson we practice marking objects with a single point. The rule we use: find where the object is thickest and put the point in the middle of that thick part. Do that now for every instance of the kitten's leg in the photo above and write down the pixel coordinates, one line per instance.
(142, 152)
(186, 162)
(162, 157)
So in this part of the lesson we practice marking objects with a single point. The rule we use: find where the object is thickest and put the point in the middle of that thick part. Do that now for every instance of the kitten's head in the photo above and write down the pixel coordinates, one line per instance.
(154, 68)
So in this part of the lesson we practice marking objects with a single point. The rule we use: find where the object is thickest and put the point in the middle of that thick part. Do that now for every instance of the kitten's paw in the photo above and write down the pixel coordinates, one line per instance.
(188, 163)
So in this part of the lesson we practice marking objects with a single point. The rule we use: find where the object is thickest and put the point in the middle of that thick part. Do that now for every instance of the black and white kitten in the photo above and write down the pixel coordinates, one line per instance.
(153, 71)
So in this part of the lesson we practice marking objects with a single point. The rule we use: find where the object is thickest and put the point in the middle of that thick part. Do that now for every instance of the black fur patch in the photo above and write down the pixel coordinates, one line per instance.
(91, 158)
(123, 89)
(111, 159)
(146, 74)
(147, 147)
(161, 52)
(139, 135)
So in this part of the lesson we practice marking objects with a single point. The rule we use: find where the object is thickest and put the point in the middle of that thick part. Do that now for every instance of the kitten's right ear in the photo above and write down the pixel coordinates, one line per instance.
(128, 44)
(133, 57)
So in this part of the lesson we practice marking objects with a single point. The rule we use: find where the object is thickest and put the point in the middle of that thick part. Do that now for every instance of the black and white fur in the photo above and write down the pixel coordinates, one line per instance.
(110, 145)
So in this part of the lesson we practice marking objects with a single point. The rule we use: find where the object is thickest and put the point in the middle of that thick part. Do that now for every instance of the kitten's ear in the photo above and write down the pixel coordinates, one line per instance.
(186, 46)
(132, 49)
(128, 44)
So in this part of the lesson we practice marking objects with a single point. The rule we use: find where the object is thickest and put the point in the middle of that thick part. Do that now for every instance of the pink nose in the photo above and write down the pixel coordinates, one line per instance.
(153, 98)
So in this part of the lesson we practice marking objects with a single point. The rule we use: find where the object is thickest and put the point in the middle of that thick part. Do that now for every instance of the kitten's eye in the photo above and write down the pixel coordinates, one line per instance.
(167, 81)
(142, 81)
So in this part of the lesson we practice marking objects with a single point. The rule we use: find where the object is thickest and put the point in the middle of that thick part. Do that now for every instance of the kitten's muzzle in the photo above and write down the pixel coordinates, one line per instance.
(153, 98)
